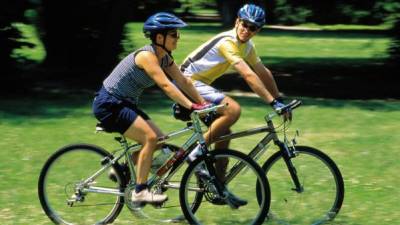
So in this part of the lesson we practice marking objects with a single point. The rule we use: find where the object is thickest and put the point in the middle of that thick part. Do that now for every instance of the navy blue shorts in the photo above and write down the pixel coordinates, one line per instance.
(116, 115)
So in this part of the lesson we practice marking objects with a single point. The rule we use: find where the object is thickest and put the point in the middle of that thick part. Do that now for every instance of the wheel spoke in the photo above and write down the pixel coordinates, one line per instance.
(67, 200)
(322, 183)
(238, 199)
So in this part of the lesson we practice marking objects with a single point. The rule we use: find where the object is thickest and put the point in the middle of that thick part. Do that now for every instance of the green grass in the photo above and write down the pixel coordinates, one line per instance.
(277, 47)
(345, 26)
(331, 45)
(361, 136)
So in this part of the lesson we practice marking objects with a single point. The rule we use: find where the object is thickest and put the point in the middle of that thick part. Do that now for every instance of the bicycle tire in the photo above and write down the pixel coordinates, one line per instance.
(323, 187)
(253, 212)
(47, 183)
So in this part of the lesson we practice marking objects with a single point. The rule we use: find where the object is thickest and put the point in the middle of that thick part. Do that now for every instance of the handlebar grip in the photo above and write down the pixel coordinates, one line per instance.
(292, 105)
(210, 109)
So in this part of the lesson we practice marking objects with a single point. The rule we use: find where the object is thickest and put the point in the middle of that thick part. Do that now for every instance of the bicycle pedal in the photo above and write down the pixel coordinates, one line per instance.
(138, 205)
(157, 205)
(301, 190)
(178, 219)
(237, 202)
(70, 203)
(232, 204)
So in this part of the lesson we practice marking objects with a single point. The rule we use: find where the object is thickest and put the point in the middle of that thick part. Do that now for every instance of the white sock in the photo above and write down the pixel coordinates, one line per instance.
(166, 150)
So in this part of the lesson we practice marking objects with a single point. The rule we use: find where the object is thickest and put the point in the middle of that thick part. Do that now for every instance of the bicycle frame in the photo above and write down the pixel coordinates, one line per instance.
(262, 146)
(188, 146)
(197, 138)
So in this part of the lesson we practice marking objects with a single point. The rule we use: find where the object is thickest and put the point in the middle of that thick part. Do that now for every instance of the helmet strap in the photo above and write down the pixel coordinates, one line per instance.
(164, 34)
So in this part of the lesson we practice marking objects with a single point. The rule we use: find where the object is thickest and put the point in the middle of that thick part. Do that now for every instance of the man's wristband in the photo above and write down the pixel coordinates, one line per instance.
(274, 102)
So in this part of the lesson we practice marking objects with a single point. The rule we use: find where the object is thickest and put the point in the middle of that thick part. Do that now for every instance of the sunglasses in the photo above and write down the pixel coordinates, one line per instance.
(174, 34)
(249, 26)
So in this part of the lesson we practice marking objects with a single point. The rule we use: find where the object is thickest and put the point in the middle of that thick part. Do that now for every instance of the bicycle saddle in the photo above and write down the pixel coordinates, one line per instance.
(101, 128)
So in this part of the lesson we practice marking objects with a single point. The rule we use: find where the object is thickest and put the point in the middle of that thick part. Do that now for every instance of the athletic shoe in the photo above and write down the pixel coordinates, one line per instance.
(145, 196)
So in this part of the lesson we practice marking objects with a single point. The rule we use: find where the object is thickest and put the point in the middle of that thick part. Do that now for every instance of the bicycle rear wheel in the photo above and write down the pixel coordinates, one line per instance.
(240, 189)
(321, 181)
(64, 171)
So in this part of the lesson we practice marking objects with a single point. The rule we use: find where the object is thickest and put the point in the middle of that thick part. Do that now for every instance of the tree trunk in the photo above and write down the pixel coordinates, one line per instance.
(228, 11)
(83, 35)
(113, 33)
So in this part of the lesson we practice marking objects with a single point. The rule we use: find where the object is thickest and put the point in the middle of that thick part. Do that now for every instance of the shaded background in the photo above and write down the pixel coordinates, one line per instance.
(82, 42)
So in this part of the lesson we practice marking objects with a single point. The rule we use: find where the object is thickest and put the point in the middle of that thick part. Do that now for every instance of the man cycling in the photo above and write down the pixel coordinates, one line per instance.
(235, 49)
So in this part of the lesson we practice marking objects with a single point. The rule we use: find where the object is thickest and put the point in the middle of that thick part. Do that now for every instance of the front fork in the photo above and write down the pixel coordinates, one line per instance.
(288, 152)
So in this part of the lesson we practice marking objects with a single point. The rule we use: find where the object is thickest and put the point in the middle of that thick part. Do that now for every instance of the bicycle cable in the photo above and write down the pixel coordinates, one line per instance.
(285, 124)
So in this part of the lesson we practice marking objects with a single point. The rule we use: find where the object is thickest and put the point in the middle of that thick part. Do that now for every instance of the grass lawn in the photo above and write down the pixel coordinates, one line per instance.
(340, 44)
(282, 46)
(361, 136)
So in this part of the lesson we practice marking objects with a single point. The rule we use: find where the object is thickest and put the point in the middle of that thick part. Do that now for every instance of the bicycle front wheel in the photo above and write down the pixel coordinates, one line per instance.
(321, 182)
(239, 204)
(65, 197)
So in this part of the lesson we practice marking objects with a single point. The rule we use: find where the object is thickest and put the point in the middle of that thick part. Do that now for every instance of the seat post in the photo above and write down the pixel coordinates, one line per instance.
(122, 140)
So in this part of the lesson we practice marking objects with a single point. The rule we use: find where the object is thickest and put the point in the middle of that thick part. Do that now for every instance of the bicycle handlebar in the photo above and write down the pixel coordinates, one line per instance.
(292, 105)
(210, 109)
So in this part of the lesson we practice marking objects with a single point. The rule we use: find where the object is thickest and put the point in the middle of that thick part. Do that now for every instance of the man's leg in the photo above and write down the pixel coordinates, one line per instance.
(221, 126)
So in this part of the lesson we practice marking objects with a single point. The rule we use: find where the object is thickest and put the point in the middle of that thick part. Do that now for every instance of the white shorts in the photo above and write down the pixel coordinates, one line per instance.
(209, 93)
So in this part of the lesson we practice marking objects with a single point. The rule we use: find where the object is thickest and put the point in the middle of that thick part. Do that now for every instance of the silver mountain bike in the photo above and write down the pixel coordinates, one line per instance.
(76, 187)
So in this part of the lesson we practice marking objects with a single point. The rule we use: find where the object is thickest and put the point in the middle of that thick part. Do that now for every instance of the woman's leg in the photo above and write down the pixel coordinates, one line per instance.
(158, 132)
(142, 132)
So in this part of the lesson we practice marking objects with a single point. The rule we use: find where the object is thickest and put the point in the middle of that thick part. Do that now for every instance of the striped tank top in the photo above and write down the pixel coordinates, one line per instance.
(127, 81)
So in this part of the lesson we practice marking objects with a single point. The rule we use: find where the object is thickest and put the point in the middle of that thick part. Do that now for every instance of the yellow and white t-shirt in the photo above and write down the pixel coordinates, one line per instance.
(212, 59)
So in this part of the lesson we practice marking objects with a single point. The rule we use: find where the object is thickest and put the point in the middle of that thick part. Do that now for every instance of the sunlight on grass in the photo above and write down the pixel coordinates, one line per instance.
(272, 46)
(270, 43)
(29, 35)
(361, 136)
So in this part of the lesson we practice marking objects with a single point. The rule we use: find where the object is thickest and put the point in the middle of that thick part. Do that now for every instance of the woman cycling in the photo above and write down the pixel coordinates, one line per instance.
(115, 105)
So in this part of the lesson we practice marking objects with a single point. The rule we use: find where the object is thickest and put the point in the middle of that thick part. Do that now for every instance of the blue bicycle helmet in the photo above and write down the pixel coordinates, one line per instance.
(253, 14)
(160, 22)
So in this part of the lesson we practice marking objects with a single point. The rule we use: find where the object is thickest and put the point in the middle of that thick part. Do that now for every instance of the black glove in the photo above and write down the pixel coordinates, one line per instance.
(277, 104)
(180, 112)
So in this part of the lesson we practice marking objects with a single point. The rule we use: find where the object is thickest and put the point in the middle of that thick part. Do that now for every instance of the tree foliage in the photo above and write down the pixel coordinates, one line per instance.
(394, 49)
(334, 11)
(86, 34)
(11, 12)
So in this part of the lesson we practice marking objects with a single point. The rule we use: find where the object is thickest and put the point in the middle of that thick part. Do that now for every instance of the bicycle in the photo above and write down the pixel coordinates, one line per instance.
(315, 185)
(75, 187)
